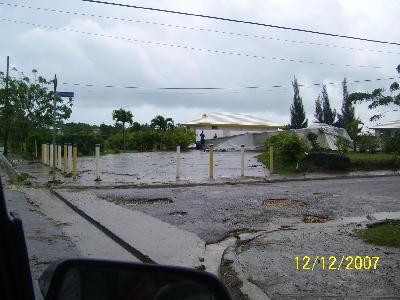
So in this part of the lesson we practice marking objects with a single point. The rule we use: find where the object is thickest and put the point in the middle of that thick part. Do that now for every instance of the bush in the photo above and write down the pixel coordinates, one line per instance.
(327, 161)
(312, 138)
(367, 143)
(288, 147)
(391, 144)
(341, 145)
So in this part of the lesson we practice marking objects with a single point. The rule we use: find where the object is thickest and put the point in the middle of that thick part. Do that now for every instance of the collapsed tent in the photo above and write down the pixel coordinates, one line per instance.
(327, 138)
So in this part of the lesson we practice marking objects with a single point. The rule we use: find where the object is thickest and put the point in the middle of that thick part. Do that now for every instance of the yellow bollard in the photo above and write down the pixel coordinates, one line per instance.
(74, 160)
(271, 160)
(211, 161)
(65, 157)
(42, 152)
(48, 154)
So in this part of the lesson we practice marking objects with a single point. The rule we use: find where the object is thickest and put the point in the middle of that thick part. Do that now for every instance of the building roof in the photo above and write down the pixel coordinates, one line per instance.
(389, 125)
(232, 119)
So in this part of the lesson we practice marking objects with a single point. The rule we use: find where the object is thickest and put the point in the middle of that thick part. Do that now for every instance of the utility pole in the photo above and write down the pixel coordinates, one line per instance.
(6, 126)
(54, 126)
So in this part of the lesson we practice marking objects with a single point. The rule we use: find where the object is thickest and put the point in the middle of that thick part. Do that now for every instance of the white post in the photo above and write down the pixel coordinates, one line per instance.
(69, 158)
(242, 160)
(59, 156)
(97, 162)
(51, 155)
(178, 154)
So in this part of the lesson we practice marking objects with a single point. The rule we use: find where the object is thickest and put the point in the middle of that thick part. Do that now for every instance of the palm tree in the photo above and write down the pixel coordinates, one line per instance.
(122, 116)
(162, 124)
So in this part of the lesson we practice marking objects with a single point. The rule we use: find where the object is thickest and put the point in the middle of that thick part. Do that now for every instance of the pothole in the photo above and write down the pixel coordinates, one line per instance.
(138, 201)
(315, 219)
(283, 203)
(178, 213)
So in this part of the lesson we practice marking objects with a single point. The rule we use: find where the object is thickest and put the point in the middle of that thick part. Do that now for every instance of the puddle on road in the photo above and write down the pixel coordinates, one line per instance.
(178, 213)
(283, 203)
(138, 201)
(315, 219)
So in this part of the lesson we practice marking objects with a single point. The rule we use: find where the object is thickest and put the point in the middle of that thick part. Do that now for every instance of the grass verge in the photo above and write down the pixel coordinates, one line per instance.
(373, 161)
(279, 166)
(383, 235)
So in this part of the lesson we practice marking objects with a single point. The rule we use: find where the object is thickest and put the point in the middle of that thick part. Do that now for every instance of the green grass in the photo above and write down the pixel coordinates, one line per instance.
(279, 167)
(373, 161)
(383, 235)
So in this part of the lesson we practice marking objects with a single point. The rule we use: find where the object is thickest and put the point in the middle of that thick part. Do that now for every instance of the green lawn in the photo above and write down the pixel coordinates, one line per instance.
(383, 235)
(374, 161)
(279, 167)
(358, 162)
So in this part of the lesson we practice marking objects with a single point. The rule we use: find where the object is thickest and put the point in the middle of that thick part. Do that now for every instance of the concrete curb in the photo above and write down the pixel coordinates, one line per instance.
(136, 253)
(195, 184)
(9, 168)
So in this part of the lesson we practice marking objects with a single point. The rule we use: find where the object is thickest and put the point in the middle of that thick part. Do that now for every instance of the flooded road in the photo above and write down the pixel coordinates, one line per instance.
(153, 168)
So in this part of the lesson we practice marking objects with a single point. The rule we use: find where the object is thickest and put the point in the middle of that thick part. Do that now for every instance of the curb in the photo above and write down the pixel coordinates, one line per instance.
(194, 184)
(136, 253)
(9, 168)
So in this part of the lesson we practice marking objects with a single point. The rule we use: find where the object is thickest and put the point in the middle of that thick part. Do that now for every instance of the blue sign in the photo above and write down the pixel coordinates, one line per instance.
(66, 94)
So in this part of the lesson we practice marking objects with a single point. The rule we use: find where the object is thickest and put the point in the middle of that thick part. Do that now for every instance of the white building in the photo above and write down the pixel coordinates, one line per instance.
(387, 129)
(229, 124)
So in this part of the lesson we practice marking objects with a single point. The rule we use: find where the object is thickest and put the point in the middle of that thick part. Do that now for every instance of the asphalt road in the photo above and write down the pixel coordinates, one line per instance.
(217, 212)
(214, 212)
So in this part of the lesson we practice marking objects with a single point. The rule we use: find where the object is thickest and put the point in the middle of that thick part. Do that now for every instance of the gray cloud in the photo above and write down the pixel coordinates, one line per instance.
(100, 61)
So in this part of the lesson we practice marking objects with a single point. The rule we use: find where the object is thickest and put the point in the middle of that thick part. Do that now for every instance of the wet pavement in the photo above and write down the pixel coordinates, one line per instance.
(214, 212)
(275, 213)
(46, 242)
(278, 219)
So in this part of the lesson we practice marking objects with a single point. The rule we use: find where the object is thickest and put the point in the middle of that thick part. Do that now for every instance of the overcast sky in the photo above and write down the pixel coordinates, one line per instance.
(88, 59)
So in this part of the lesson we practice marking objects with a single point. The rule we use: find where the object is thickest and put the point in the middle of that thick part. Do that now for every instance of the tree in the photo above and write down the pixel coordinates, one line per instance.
(297, 113)
(162, 124)
(319, 114)
(122, 116)
(347, 112)
(329, 115)
(377, 98)
(29, 106)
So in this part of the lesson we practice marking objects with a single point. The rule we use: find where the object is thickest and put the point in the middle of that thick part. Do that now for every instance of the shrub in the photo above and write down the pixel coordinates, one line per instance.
(288, 146)
(327, 161)
(341, 145)
(391, 144)
(312, 138)
(367, 143)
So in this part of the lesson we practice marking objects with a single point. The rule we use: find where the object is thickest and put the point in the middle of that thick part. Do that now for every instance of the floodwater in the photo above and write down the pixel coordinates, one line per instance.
(160, 167)
(155, 168)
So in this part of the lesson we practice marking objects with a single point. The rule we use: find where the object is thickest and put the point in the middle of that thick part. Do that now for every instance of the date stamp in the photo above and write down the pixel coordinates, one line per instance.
(336, 263)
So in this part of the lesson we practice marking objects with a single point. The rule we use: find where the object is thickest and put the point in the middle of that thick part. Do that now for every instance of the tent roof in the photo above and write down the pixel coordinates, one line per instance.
(389, 125)
(230, 119)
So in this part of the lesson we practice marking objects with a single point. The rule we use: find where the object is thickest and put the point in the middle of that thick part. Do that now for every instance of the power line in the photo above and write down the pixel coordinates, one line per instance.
(245, 22)
(228, 33)
(232, 53)
(108, 86)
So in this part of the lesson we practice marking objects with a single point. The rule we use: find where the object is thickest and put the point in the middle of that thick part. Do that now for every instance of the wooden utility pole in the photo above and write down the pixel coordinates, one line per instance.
(7, 106)
(54, 127)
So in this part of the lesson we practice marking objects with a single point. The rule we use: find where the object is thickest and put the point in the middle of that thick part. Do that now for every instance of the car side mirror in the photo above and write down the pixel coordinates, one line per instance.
(84, 279)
